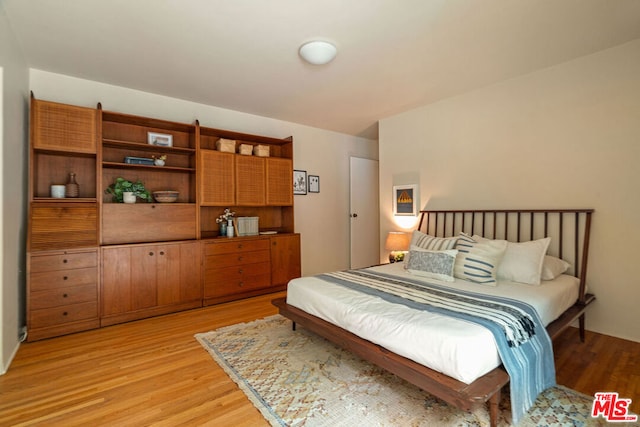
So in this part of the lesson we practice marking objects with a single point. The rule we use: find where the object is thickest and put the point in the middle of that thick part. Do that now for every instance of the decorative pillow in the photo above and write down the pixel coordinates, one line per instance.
(478, 261)
(425, 241)
(552, 267)
(522, 262)
(432, 264)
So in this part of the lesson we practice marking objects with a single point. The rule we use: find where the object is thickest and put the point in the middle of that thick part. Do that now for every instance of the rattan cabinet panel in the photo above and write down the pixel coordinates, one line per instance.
(217, 178)
(250, 181)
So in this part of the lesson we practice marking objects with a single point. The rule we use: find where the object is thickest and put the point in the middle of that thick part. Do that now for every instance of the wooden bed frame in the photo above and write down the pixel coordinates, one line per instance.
(569, 230)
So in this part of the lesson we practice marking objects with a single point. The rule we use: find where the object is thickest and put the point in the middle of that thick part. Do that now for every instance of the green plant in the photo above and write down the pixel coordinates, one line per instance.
(122, 185)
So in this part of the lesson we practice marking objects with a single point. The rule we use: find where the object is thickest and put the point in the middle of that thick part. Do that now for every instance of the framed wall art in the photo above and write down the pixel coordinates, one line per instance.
(299, 182)
(314, 184)
(405, 201)
(160, 139)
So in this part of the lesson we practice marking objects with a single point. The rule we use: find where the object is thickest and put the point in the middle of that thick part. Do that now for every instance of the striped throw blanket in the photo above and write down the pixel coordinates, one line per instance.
(522, 340)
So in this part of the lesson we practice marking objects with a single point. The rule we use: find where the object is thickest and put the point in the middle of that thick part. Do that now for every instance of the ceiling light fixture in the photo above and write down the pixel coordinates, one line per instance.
(318, 52)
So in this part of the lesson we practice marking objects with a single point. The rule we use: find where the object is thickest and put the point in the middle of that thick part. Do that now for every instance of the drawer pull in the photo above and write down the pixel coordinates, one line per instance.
(65, 313)
(241, 284)
(161, 252)
(240, 246)
(64, 261)
(65, 278)
(239, 258)
(150, 253)
(240, 271)
(64, 295)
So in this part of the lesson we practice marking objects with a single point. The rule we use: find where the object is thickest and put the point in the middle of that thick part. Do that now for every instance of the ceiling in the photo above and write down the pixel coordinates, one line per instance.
(393, 55)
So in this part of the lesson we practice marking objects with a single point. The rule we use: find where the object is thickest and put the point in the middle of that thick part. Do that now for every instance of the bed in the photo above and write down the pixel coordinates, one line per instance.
(450, 358)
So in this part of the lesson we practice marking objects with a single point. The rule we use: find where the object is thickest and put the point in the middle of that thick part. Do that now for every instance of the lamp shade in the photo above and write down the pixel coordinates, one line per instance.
(318, 52)
(397, 241)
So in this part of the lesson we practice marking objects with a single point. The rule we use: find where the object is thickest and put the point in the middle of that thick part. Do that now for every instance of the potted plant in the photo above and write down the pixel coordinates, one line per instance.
(122, 186)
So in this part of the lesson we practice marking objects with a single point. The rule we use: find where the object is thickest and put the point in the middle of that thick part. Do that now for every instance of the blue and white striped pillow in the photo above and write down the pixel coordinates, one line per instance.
(425, 241)
(478, 262)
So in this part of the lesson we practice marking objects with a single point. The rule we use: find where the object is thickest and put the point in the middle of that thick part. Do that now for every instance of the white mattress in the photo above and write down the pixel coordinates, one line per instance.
(459, 349)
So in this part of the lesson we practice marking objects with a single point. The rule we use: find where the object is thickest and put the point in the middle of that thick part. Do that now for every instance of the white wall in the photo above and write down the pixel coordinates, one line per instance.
(322, 219)
(13, 176)
(566, 136)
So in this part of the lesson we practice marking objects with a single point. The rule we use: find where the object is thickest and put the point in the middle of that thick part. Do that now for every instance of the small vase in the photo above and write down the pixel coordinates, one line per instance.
(223, 229)
(230, 229)
(72, 189)
(158, 162)
(128, 197)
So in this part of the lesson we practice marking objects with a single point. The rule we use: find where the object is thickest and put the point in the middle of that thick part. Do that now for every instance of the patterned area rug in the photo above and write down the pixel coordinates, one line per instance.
(296, 378)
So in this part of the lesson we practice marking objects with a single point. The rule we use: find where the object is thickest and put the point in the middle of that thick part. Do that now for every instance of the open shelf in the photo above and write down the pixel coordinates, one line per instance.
(116, 165)
(146, 147)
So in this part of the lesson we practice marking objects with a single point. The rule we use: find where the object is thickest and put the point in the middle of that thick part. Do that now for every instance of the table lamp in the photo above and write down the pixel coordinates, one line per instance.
(398, 243)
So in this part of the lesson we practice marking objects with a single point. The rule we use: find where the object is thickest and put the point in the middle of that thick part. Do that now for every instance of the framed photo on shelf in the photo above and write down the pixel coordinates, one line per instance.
(160, 139)
(314, 184)
(299, 182)
(405, 201)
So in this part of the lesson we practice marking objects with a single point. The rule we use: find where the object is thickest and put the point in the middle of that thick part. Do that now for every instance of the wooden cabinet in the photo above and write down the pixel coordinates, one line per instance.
(243, 267)
(285, 258)
(145, 280)
(235, 268)
(248, 185)
(126, 139)
(94, 262)
(62, 292)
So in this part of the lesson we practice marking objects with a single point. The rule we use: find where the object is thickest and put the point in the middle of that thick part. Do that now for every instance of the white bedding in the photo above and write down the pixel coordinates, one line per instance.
(457, 348)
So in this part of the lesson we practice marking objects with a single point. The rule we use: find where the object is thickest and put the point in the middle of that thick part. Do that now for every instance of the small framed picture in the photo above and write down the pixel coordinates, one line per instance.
(405, 201)
(314, 184)
(299, 182)
(160, 139)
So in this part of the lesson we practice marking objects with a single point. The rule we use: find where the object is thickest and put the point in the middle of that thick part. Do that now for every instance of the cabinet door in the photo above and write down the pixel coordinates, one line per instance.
(178, 273)
(217, 178)
(285, 258)
(279, 189)
(250, 181)
(128, 279)
(63, 127)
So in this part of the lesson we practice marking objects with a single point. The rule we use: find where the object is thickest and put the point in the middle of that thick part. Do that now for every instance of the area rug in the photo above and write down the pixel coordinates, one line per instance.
(297, 378)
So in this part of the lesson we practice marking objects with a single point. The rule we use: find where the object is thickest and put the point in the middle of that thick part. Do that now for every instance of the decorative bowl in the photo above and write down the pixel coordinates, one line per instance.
(167, 196)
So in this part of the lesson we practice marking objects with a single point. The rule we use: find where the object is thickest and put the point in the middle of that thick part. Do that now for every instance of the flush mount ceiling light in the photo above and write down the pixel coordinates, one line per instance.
(318, 52)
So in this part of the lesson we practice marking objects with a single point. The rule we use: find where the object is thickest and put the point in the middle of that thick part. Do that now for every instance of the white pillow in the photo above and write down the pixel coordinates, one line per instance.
(478, 261)
(552, 267)
(522, 262)
(433, 264)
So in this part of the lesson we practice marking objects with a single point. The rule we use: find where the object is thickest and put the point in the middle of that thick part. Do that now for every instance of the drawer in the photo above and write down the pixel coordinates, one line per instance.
(63, 278)
(63, 261)
(235, 246)
(235, 259)
(63, 314)
(236, 273)
(223, 283)
(63, 296)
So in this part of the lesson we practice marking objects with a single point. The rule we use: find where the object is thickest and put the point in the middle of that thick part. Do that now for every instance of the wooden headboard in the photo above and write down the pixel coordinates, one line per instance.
(568, 228)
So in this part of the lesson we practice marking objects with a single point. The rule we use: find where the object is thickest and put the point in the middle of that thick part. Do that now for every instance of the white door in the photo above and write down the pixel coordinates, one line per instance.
(365, 213)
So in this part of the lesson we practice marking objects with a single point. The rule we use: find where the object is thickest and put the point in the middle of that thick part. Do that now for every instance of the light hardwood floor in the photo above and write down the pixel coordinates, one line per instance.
(153, 372)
